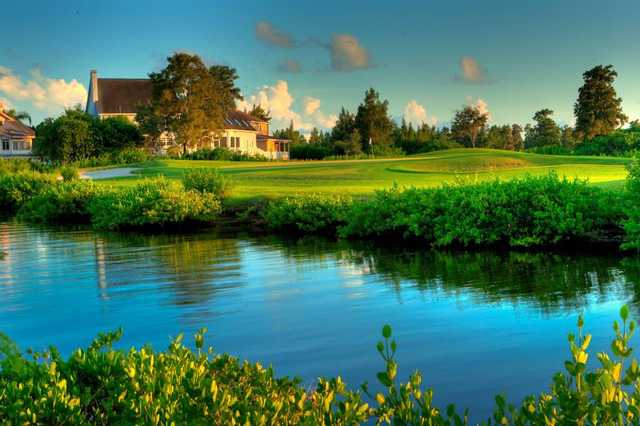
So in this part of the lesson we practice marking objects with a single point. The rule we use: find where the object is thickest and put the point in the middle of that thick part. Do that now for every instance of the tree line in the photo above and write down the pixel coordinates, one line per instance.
(190, 101)
(371, 130)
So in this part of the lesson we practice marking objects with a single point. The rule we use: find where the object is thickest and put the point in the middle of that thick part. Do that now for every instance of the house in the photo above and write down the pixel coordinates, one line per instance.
(16, 139)
(120, 97)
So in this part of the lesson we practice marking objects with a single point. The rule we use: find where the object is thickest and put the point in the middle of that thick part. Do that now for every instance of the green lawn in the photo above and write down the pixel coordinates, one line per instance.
(358, 177)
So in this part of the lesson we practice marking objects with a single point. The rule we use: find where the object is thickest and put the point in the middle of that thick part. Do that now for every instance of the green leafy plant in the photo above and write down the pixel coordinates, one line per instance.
(157, 201)
(17, 188)
(69, 173)
(63, 202)
(311, 213)
(207, 181)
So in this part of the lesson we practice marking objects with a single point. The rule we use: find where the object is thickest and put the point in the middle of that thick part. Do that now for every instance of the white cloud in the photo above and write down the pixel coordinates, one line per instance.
(279, 102)
(472, 71)
(347, 54)
(416, 114)
(271, 35)
(312, 113)
(43, 92)
(480, 104)
(4, 104)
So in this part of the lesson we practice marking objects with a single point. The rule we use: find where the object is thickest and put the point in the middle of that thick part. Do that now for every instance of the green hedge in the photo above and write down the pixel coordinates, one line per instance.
(522, 212)
(17, 188)
(157, 201)
(104, 386)
(63, 202)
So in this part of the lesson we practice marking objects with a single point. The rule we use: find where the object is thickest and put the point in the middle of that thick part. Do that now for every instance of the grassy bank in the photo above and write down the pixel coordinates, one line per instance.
(101, 385)
(361, 177)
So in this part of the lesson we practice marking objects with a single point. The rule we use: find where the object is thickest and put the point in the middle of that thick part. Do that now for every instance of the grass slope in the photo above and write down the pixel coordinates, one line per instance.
(256, 179)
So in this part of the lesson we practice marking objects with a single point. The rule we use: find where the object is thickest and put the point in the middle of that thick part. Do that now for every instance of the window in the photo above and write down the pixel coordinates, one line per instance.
(5, 144)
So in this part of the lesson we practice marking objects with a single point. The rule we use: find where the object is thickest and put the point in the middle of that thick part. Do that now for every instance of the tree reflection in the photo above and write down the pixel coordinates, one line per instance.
(549, 282)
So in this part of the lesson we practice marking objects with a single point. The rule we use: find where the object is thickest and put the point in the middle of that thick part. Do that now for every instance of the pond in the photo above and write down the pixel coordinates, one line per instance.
(475, 323)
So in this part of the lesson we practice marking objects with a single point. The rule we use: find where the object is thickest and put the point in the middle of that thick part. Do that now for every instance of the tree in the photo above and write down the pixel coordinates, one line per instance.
(188, 102)
(598, 110)
(227, 77)
(373, 122)
(258, 112)
(291, 134)
(344, 126)
(115, 133)
(544, 133)
(67, 138)
(21, 116)
(516, 138)
(468, 122)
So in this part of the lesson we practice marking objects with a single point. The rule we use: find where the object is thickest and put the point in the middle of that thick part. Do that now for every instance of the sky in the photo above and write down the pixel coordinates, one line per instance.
(305, 60)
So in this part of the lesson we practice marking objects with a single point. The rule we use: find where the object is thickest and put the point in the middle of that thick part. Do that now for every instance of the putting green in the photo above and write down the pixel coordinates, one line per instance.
(274, 179)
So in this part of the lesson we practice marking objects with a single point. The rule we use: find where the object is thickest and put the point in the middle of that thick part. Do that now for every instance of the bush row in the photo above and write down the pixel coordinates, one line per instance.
(522, 212)
(221, 154)
(153, 202)
(101, 385)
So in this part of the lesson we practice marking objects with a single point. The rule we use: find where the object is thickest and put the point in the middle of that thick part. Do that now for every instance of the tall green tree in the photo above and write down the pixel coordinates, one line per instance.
(188, 102)
(544, 132)
(344, 127)
(598, 110)
(258, 112)
(227, 77)
(291, 134)
(373, 122)
(467, 124)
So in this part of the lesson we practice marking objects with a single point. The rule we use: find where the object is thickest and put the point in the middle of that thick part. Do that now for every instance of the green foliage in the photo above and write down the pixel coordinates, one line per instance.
(156, 202)
(467, 124)
(221, 154)
(17, 188)
(522, 212)
(598, 109)
(63, 202)
(312, 213)
(207, 181)
(309, 151)
(69, 173)
(632, 222)
(115, 158)
(102, 385)
(77, 136)
(373, 122)
(545, 132)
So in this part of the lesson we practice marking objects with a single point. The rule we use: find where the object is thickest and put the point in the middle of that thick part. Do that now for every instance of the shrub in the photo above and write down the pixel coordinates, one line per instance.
(152, 202)
(521, 212)
(632, 221)
(310, 213)
(69, 173)
(17, 188)
(221, 154)
(102, 385)
(64, 202)
(207, 181)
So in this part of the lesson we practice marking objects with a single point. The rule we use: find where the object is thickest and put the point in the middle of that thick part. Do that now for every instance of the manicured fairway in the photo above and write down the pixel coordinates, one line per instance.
(272, 179)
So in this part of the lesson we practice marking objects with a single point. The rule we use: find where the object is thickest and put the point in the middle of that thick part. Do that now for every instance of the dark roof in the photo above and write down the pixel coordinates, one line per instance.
(13, 127)
(122, 95)
(239, 120)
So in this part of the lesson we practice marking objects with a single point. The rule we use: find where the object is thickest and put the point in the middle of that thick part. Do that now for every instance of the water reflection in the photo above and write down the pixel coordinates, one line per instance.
(311, 307)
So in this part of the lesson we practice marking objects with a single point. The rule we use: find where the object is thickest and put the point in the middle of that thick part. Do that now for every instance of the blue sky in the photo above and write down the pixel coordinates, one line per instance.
(427, 58)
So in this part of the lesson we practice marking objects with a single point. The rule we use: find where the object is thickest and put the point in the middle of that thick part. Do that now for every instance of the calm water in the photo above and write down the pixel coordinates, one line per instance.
(476, 324)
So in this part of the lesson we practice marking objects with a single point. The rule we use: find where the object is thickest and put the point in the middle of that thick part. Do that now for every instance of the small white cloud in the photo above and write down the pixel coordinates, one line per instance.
(41, 91)
(279, 102)
(416, 114)
(290, 66)
(347, 54)
(271, 35)
(472, 71)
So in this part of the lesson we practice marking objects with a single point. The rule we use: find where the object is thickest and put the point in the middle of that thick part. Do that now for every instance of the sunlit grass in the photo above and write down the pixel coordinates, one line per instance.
(359, 177)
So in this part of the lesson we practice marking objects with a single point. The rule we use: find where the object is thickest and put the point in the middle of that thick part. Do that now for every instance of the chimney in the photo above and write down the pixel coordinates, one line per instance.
(94, 86)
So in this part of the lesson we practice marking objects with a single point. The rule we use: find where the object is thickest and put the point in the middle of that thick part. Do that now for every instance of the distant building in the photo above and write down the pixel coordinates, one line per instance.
(120, 97)
(16, 139)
